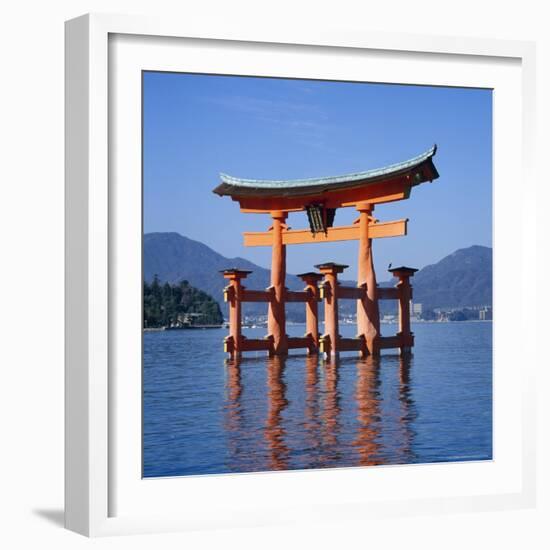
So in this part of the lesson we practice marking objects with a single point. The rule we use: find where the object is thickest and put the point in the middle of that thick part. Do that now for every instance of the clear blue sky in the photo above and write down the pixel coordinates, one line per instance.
(196, 126)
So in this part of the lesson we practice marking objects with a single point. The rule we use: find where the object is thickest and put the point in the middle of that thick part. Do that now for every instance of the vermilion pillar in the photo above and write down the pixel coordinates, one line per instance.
(405, 297)
(311, 279)
(330, 294)
(276, 319)
(368, 316)
(233, 295)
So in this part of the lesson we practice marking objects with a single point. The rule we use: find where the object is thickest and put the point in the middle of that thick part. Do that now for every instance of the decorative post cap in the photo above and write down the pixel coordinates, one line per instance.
(235, 273)
(310, 275)
(403, 271)
(331, 267)
(364, 206)
(279, 214)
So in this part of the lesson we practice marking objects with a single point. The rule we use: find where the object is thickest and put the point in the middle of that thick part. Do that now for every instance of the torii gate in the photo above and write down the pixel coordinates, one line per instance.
(320, 198)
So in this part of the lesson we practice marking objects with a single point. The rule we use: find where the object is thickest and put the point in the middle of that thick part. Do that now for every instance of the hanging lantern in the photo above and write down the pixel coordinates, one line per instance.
(320, 218)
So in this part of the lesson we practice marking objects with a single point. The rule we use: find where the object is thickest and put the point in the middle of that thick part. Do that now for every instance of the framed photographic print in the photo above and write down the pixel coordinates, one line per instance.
(296, 278)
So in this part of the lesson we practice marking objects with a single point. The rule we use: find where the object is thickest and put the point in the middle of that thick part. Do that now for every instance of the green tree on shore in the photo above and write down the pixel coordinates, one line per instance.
(172, 305)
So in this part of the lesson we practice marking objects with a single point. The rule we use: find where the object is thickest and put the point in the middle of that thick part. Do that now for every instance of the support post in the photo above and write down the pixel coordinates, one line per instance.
(311, 280)
(368, 315)
(405, 296)
(329, 292)
(233, 295)
(276, 319)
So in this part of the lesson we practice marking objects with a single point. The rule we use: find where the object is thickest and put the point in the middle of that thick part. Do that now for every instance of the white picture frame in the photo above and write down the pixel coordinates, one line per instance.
(100, 498)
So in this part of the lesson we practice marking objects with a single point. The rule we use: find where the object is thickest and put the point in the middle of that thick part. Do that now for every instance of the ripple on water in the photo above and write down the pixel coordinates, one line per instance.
(204, 415)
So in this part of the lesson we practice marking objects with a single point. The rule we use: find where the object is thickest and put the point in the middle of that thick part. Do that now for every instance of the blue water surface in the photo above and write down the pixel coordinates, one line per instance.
(205, 415)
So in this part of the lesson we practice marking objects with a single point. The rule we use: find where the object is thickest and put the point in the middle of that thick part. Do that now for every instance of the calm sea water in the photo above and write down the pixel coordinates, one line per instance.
(203, 415)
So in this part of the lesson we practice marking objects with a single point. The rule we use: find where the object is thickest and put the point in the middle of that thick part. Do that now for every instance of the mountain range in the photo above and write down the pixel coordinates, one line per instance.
(173, 258)
(463, 278)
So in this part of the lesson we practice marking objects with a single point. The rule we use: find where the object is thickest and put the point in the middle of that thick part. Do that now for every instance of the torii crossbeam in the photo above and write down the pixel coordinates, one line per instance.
(320, 198)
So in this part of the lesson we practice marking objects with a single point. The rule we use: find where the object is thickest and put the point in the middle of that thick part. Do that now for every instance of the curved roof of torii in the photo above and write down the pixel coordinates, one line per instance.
(420, 168)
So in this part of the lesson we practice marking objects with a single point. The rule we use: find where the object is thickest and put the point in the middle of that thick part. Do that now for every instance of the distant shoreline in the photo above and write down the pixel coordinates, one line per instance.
(206, 327)
(191, 327)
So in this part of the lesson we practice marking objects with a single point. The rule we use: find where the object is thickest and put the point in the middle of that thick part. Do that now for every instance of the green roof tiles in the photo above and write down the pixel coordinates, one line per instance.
(231, 185)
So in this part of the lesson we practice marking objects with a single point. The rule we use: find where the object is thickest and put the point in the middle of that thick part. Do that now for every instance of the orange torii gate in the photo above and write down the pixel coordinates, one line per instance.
(320, 198)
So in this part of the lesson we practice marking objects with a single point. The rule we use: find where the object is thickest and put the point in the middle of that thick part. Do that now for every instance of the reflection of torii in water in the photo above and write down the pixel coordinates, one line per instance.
(320, 198)
(277, 402)
(377, 438)
(330, 415)
(396, 431)
(407, 409)
(311, 405)
(233, 409)
(368, 411)
(274, 431)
